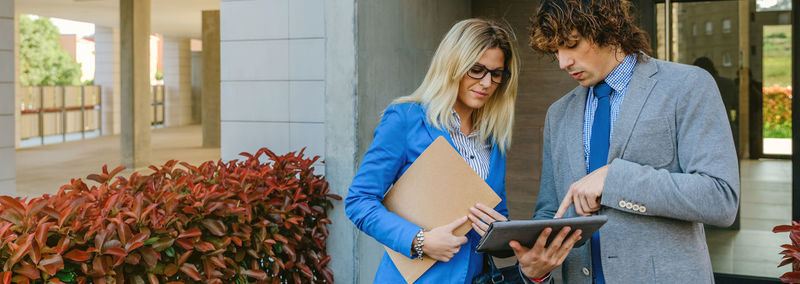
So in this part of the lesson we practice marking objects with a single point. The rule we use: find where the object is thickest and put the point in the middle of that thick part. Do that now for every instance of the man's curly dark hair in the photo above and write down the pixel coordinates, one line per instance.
(605, 22)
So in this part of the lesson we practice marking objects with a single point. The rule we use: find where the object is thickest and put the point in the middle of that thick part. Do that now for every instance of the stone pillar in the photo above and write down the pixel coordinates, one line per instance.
(177, 81)
(211, 78)
(8, 105)
(107, 76)
(135, 82)
(341, 117)
(197, 86)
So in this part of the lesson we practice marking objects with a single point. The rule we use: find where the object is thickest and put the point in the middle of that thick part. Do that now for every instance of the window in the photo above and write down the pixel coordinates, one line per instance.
(709, 28)
(726, 26)
(726, 60)
(694, 29)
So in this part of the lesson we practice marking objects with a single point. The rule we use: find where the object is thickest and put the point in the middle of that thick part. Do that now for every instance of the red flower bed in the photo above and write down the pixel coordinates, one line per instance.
(233, 222)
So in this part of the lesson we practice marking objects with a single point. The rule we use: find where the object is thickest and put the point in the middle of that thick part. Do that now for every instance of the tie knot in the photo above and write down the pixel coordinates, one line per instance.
(602, 90)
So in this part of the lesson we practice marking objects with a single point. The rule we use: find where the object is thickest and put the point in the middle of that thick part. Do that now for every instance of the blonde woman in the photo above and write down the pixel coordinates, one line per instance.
(467, 97)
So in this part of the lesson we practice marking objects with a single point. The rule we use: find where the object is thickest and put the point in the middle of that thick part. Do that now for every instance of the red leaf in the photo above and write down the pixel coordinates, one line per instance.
(150, 256)
(185, 243)
(6, 277)
(786, 261)
(191, 271)
(791, 277)
(184, 257)
(190, 233)
(217, 260)
(204, 246)
(781, 229)
(13, 204)
(28, 270)
(133, 258)
(21, 250)
(41, 232)
(215, 226)
(77, 255)
(34, 253)
(132, 246)
(170, 270)
(116, 251)
(51, 264)
(236, 240)
(255, 273)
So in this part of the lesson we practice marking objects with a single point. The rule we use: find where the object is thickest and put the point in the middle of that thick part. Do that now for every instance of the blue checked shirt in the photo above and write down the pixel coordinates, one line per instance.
(618, 79)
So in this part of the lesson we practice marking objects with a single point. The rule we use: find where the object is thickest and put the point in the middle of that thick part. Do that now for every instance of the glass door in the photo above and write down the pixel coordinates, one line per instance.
(746, 46)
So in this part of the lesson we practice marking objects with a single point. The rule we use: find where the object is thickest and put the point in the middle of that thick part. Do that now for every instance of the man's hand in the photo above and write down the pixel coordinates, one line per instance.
(481, 216)
(585, 193)
(440, 243)
(537, 261)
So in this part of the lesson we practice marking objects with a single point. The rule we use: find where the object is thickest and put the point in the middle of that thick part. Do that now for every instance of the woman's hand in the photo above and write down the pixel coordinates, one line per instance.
(481, 216)
(440, 243)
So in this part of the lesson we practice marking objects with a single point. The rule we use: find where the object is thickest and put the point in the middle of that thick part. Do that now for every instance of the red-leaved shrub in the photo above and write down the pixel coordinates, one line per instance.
(234, 222)
(791, 252)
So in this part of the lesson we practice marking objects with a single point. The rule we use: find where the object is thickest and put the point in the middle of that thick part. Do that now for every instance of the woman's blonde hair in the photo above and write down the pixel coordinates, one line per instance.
(460, 49)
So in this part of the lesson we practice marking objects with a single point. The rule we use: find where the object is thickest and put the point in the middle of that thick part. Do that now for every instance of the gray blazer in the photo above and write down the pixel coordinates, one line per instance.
(673, 169)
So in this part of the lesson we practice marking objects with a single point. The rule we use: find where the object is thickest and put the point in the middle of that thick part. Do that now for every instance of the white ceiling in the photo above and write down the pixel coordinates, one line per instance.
(177, 18)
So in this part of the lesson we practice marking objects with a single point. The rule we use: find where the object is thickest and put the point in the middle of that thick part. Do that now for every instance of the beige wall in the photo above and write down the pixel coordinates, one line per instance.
(177, 81)
(7, 99)
(541, 84)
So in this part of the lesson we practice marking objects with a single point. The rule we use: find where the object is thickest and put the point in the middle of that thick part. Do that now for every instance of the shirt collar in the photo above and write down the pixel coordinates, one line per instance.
(619, 78)
(455, 124)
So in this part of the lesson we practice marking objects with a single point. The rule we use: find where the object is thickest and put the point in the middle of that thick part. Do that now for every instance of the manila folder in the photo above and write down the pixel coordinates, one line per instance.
(438, 188)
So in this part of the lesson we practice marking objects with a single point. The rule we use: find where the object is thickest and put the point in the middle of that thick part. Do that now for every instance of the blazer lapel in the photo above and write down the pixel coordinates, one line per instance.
(636, 95)
(433, 131)
(493, 166)
(574, 134)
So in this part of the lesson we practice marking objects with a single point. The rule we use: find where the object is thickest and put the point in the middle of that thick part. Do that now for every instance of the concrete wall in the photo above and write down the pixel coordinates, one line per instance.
(340, 132)
(396, 41)
(273, 76)
(395, 44)
(197, 86)
(177, 81)
(7, 99)
(524, 161)
(107, 76)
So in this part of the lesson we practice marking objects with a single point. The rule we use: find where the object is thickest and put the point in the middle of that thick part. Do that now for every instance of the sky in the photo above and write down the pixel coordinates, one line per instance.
(81, 29)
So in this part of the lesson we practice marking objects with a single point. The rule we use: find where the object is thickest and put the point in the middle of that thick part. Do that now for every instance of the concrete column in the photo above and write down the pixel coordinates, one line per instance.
(107, 76)
(197, 86)
(135, 82)
(177, 81)
(8, 105)
(341, 115)
(211, 78)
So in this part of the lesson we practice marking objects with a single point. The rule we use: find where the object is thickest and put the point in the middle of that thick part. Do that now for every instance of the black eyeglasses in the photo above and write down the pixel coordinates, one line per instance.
(498, 76)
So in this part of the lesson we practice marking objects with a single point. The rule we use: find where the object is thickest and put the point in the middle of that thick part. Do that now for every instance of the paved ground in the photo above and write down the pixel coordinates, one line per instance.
(44, 169)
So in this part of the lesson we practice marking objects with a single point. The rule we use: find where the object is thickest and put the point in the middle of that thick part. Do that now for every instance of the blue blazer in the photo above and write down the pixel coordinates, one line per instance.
(399, 139)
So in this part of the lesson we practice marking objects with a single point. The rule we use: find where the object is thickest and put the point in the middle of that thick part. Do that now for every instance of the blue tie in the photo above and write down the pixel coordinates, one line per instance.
(598, 157)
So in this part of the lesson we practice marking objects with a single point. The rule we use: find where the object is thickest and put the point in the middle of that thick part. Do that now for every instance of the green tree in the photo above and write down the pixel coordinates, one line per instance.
(43, 61)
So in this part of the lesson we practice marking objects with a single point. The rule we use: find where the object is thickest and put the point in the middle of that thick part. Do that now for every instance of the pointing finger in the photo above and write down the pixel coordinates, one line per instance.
(564, 205)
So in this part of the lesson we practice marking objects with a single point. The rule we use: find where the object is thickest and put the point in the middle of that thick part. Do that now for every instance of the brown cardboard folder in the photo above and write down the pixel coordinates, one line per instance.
(437, 188)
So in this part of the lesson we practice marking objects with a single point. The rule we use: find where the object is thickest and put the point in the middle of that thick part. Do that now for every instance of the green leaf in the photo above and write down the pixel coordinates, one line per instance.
(150, 241)
(66, 276)
(170, 252)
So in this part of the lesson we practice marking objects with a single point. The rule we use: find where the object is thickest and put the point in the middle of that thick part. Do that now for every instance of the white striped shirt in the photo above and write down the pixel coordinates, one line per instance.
(476, 153)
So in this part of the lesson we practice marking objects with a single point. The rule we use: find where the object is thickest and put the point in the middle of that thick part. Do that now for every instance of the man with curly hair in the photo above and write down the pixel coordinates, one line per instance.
(643, 141)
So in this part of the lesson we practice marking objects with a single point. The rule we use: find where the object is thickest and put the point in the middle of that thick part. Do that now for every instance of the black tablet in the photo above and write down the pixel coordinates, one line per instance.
(495, 242)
